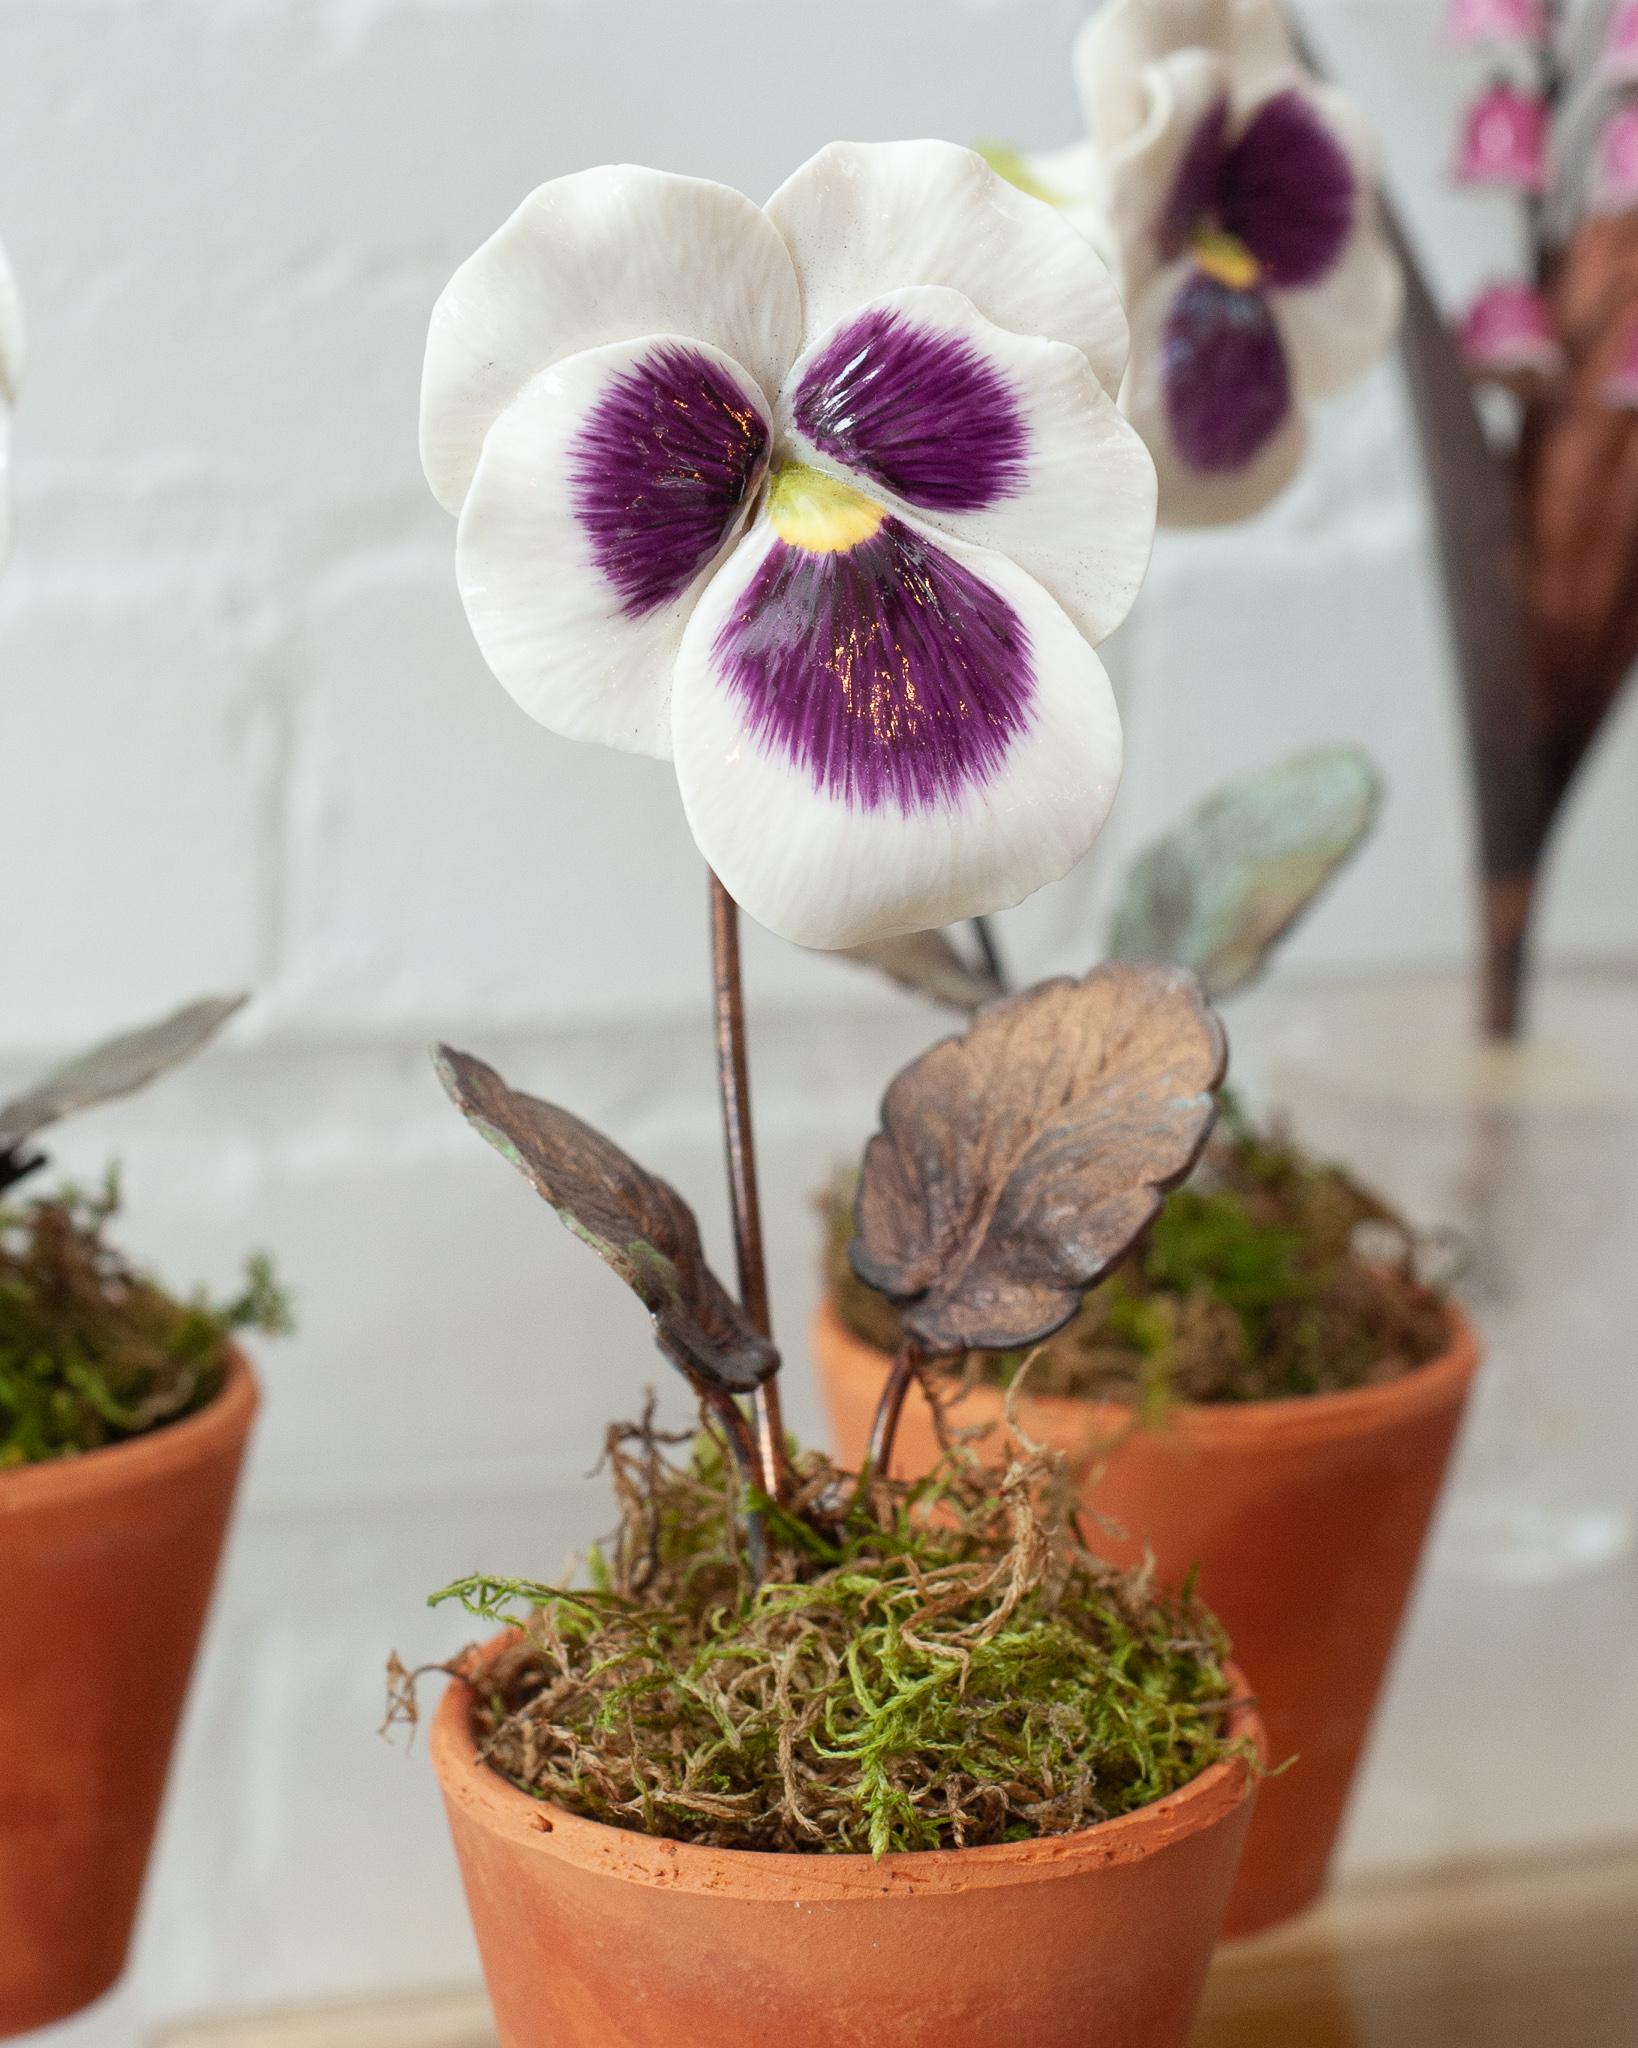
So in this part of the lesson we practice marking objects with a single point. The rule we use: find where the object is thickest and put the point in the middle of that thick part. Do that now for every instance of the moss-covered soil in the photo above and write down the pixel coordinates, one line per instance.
(931, 1667)
(93, 1352)
(1267, 1276)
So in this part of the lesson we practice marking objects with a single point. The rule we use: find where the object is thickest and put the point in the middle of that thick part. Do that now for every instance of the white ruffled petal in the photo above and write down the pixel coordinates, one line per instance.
(862, 219)
(605, 493)
(1158, 180)
(1338, 327)
(1005, 441)
(886, 730)
(1118, 44)
(602, 256)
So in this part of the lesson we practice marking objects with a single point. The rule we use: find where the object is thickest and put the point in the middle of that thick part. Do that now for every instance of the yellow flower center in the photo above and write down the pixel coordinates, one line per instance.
(818, 512)
(1227, 258)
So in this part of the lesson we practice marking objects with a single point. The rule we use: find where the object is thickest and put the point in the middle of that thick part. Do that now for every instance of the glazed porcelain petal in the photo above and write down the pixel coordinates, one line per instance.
(879, 729)
(1006, 442)
(604, 494)
(1213, 395)
(603, 256)
(861, 219)
(1342, 323)
(1161, 180)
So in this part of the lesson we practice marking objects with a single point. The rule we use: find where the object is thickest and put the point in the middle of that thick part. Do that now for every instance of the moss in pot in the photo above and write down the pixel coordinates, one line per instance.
(1267, 1390)
(124, 1414)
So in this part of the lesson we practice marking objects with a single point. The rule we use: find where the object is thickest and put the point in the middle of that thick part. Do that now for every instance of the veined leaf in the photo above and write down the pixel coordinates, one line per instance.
(1219, 893)
(1017, 1164)
(633, 1220)
(928, 964)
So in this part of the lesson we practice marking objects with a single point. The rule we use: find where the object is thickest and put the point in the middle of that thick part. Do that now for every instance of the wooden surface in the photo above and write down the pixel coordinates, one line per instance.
(1543, 1957)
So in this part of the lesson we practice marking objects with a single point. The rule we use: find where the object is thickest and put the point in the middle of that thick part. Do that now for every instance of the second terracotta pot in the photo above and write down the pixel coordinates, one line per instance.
(593, 1937)
(1305, 1518)
(106, 1568)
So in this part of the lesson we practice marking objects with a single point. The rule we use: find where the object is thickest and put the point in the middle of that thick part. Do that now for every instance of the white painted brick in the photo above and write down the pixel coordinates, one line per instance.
(139, 764)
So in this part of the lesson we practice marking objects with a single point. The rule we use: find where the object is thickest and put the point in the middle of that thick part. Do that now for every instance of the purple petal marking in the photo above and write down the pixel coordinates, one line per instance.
(666, 458)
(1288, 191)
(1224, 374)
(889, 671)
(1194, 190)
(921, 412)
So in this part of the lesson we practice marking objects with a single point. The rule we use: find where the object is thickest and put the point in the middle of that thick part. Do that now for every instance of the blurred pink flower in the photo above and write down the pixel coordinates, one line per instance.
(1508, 332)
(1496, 21)
(1615, 170)
(1504, 140)
(1621, 385)
(1620, 58)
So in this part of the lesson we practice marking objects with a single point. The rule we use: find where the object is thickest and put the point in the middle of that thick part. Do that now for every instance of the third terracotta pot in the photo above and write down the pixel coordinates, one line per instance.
(593, 1937)
(1305, 1518)
(106, 1566)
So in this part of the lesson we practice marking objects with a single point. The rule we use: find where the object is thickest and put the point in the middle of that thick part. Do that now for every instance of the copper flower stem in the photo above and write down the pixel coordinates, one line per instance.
(907, 1364)
(734, 1081)
(990, 951)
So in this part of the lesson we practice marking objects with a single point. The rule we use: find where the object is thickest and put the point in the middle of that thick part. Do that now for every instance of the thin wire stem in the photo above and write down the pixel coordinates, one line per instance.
(990, 951)
(734, 1084)
(907, 1364)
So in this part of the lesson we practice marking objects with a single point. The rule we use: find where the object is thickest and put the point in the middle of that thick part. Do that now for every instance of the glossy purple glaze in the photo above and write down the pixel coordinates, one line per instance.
(665, 460)
(1288, 192)
(889, 671)
(1224, 374)
(917, 410)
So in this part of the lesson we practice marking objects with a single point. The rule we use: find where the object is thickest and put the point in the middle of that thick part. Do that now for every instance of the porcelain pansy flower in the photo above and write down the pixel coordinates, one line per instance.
(828, 502)
(11, 368)
(1241, 212)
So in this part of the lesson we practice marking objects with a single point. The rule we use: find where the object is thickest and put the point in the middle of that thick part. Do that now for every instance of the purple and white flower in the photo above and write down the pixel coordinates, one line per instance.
(828, 502)
(1241, 207)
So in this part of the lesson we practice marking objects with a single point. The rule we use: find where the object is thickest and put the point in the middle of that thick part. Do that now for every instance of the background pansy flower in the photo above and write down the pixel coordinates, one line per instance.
(1241, 200)
(828, 501)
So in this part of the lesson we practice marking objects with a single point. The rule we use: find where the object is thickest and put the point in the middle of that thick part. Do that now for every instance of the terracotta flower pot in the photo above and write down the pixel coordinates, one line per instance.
(1305, 1518)
(592, 1937)
(106, 1567)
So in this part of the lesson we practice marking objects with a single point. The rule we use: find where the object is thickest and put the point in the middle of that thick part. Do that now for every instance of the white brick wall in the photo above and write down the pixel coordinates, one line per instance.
(245, 738)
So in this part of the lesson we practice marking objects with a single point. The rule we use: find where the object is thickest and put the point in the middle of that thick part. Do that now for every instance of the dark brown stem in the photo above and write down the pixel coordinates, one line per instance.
(990, 951)
(734, 1082)
(907, 1365)
(1550, 79)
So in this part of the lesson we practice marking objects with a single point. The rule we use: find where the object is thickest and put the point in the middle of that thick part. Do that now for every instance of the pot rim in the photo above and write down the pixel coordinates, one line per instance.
(537, 1827)
(1302, 1418)
(139, 1460)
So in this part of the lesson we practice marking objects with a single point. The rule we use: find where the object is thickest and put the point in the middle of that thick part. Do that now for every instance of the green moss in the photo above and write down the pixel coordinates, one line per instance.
(943, 1665)
(91, 1351)
(1268, 1276)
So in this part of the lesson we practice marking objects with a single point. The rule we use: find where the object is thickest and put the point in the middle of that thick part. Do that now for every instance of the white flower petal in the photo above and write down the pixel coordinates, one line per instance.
(1118, 44)
(861, 219)
(886, 731)
(604, 494)
(602, 256)
(1336, 329)
(1192, 495)
(1005, 441)
(1186, 99)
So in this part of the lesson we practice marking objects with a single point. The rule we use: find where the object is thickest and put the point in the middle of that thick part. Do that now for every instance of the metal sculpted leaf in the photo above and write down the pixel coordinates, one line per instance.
(118, 1066)
(1017, 1164)
(633, 1220)
(929, 965)
(1229, 883)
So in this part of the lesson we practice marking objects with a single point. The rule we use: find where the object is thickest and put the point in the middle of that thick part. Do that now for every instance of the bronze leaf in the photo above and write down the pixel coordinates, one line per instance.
(928, 964)
(118, 1066)
(1220, 892)
(1017, 1164)
(633, 1220)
